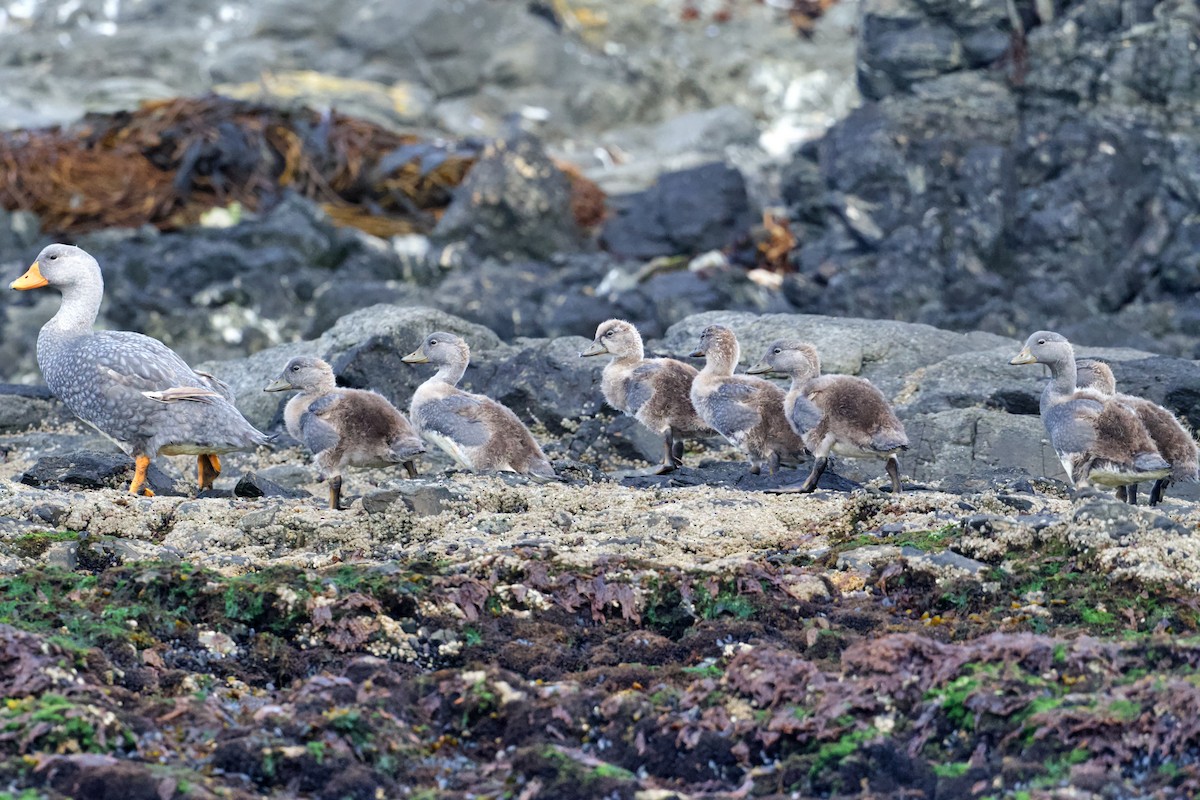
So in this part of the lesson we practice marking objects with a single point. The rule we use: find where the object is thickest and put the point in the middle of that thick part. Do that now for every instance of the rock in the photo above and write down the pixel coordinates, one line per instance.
(737, 474)
(926, 215)
(93, 470)
(420, 496)
(883, 351)
(254, 485)
(683, 213)
(24, 407)
(545, 380)
(514, 202)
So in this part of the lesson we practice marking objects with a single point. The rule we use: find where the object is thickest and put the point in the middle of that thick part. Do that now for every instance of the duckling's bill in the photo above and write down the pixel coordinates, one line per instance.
(1024, 357)
(32, 279)
(415, 357)
(697, 354)
(596, 349)
(278, 385)
(759, 368)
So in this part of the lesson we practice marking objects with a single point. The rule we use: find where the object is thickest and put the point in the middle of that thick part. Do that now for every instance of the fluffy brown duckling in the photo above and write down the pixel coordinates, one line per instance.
(1097, 439)
(476, 431)
(833, 413)
(1174, 441)
(654, 391)
(343, 427)
(746, 410)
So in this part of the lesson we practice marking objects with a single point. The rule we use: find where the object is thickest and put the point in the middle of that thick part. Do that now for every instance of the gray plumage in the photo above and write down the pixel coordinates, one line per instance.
(344, 427)
(130, 387)
(841, 414)
(476, 431)
(1097, 439)
(1172, 438)
(747, 411)
(654, 391)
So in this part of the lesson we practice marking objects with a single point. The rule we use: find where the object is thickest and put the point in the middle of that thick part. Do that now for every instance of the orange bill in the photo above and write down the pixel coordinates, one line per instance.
(32, 279)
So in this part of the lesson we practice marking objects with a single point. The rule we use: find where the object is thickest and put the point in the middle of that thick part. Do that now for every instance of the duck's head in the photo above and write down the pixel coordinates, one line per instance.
(440, 348)
(718, 344)
(1044, 347)
(790, 357)
(616, 337)
(58, 265)
(1092, 374)
(306, 373)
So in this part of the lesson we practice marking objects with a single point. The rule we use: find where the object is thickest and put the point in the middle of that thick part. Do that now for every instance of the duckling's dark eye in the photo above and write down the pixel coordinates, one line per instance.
(432, 342)
(295, 367)
(53, 257)
(610, 333)
(777, 351)
(1041, 341)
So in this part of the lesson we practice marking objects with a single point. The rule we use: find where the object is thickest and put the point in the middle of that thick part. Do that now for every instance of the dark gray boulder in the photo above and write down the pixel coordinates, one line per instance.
(24, 407)
(514, 203)
(1011, 181)
(683, 213)
(88, 469)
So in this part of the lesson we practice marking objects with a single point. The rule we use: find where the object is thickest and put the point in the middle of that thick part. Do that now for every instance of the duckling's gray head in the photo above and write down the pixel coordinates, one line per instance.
(306, 373)
(618, 337)
(1045, 347)
(719, 345)
(790, 357)
(59, 265)
(1092, 374)
(440, 348)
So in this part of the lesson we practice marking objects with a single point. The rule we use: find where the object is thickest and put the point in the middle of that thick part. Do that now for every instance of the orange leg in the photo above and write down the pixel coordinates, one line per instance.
(138, 485)
(208, 467)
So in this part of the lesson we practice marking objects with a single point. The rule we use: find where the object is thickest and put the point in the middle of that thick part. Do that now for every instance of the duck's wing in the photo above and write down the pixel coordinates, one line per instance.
(639, 387)
(143, 364)
(1072, 425)
(804, 415)
(318, 435)
(733, 409)
(459, 417)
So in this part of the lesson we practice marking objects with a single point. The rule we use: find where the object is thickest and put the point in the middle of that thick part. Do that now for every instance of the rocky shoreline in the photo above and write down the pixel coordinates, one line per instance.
(913, 186)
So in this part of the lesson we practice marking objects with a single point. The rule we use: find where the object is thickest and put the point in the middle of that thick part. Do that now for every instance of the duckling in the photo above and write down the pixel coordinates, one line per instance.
(838, 413)
(476, 431)
(1174, 441)
(1097, 439)
(130, 387)
(747, 411)
(343, 427)
(654, 391)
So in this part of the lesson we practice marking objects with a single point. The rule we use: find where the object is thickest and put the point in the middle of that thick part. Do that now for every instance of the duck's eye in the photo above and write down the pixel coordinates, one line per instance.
(433, 342)
(777, 351)
(1041, 341)
(53, 257)
(295, 367)
(610, 333)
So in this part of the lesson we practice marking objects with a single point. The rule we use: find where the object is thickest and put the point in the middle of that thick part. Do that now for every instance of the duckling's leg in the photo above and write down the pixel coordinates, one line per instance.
(1121, 495)
(1131, 493)
(410, 468)
(208, 467)
(677, 452)
(668, 463)
(893, 471)
(138, 484)
(1160, 489)
(335, 492)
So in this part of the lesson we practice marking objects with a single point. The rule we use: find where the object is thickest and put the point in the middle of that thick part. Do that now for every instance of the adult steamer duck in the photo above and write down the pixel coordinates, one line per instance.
(130, 387)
